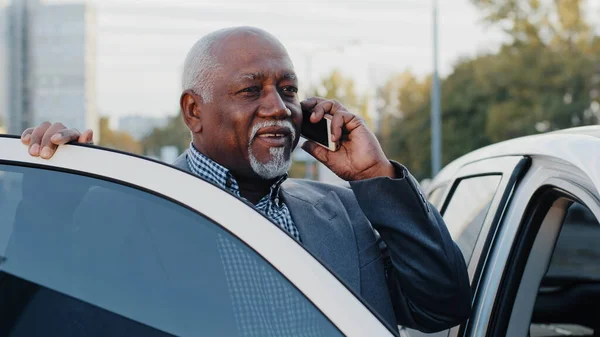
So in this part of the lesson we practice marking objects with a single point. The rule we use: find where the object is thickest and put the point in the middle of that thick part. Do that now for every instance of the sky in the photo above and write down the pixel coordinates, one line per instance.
(141, 45)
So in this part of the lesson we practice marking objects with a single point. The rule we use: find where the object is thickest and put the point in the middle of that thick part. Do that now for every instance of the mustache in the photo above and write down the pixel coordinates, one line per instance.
(278, 123)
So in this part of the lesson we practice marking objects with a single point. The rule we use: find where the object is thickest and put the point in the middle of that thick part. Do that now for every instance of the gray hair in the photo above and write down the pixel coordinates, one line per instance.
(200, 66)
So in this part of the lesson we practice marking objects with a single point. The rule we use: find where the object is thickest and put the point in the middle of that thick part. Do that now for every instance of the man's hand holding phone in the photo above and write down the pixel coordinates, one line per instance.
(358, 155)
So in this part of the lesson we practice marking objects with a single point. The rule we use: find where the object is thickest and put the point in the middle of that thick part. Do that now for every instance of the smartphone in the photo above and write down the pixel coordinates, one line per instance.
(320, 132)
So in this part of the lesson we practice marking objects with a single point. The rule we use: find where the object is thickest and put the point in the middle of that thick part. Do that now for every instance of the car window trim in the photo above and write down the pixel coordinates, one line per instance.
(444, 187)
(506, 191)
(456, 183)
(512, 169)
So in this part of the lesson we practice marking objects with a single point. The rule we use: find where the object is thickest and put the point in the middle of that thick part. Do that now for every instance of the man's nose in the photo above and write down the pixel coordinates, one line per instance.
(274, 107)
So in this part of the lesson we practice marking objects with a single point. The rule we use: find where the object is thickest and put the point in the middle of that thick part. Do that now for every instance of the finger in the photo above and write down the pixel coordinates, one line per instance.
(26, 136)
(87, 137)
(310, 103)
(344, 120)
(64, 136)
(318, 152)
(319, 111)
(36, 138)
(48, 147)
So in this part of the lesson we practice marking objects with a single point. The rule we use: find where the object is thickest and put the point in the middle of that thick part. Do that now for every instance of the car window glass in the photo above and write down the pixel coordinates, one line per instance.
(467, 210)
(567, 301)
(577, 250)
(435, 196)
(87, 257)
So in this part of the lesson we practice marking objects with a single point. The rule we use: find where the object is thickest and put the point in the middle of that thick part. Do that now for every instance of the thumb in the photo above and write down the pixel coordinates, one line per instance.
(320, 153)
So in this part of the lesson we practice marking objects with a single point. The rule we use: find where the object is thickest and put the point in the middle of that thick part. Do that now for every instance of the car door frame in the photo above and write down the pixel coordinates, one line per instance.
(532, 252)
(543, 175)
(512, 169)
(267, 240)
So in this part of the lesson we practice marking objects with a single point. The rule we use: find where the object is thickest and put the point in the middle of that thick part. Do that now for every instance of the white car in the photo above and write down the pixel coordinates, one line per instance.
(525, 214)
(99, 243)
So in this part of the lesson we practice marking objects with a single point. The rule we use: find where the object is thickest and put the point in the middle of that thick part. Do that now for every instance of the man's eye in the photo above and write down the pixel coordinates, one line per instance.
(290, 89)
(251, 90)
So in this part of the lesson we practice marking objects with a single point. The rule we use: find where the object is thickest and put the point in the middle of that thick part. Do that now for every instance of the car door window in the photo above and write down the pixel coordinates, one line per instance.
(435, 197)
(81, 256)
(567, 301)
(467, 209)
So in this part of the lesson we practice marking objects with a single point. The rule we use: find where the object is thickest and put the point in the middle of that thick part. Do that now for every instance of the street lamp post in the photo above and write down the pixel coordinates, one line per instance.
(436, 129)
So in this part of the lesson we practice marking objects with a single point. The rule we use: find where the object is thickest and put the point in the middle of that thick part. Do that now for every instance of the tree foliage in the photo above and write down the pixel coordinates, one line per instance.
(546, 78)
(336, 86)
(548, 23)
(175, 133)
(117, 139)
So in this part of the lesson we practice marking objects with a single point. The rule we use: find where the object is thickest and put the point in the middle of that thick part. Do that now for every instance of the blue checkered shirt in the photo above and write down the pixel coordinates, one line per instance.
(270, 205)
(264, 303)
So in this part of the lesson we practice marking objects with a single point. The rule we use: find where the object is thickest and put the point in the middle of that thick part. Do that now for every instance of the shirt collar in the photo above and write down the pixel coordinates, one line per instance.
(215, 173)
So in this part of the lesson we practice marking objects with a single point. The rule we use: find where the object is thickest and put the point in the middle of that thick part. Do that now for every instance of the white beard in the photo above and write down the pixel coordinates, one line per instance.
(278, 165)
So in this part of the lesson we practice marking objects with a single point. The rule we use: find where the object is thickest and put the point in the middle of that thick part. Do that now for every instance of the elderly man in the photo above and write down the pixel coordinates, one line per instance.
(381, 236)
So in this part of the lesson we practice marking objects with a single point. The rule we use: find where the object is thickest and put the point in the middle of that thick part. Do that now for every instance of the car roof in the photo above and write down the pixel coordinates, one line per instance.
(572, 145)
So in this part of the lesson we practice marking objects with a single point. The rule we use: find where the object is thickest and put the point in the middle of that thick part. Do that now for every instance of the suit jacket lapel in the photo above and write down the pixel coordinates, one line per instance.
(325, 229)
(181, 162)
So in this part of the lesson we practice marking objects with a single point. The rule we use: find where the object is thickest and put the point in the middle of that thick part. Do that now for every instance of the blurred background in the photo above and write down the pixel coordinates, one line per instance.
(487, 70)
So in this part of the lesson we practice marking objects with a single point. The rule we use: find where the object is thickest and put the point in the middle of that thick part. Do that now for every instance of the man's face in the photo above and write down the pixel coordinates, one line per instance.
(253, 122)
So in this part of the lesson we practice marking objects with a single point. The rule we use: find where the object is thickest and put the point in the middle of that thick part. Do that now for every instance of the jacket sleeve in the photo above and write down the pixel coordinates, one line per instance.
(426, 272)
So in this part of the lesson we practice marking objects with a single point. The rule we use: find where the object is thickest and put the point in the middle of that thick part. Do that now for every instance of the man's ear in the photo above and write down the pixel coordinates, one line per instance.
(190, 110)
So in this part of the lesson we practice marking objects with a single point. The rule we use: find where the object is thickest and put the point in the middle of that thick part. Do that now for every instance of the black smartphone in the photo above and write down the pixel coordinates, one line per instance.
(320, 132)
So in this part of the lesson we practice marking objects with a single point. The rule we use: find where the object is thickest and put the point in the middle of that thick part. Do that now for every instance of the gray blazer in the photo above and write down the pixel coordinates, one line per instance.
(387, 243)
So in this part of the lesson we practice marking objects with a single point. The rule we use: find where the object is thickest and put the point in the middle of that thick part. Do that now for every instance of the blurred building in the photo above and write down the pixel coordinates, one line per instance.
(3, 62)
(50, 57)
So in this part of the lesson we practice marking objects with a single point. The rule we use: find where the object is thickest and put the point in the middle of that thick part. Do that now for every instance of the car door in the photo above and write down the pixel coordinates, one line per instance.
(542, 277)
(100, 243)
(472, 204)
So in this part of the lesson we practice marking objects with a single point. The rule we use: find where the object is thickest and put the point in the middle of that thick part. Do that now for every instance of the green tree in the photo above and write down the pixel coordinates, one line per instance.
(490, 99)
(337, 86)
(175, 133)
(405, 130)
(117, 139)
(547, 77)
(539, 23)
